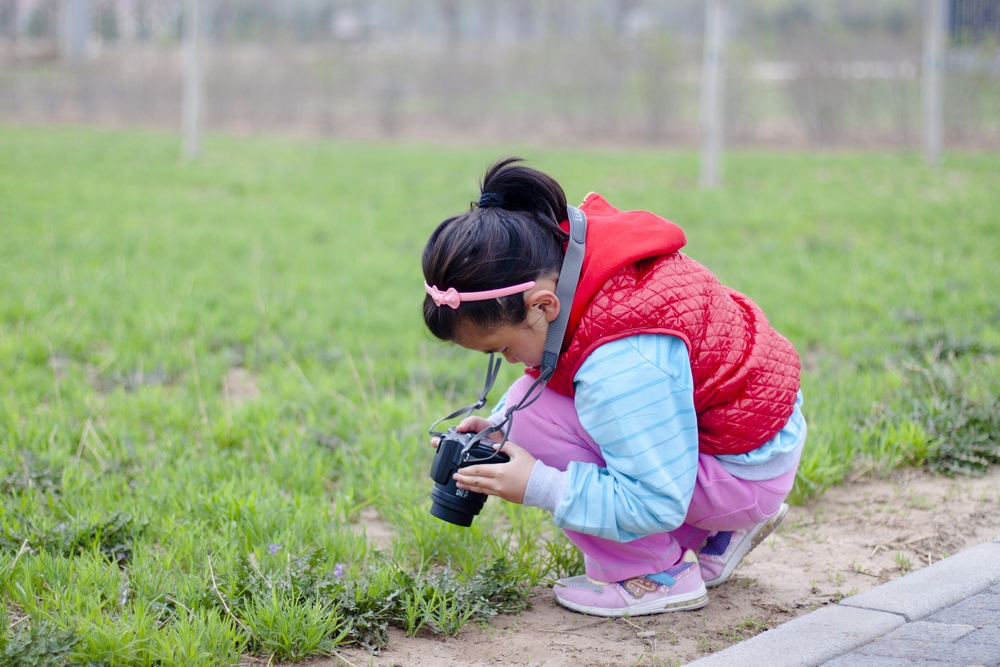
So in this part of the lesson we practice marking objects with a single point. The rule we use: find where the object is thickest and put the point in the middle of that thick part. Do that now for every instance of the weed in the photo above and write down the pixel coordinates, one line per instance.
(942, 417)
(670, 636)
(113, 536)
(40, 645)
(31, 474)
(204, 638)
(747, 627)
(705, 645)
(653, 660)
(903, 562)
(945, 345)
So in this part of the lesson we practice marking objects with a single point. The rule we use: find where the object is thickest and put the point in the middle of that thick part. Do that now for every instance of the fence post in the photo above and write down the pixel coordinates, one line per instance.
(932, 78)
(712, 93)
(191, 112)
(74, 29)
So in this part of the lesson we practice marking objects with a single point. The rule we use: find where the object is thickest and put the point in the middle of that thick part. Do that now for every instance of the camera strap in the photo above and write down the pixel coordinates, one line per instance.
(492, 370)
(569, 277)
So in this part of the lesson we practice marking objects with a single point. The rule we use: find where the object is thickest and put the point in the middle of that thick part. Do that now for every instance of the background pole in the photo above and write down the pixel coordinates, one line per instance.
(192, 80)
(712, 93)
(932, 81)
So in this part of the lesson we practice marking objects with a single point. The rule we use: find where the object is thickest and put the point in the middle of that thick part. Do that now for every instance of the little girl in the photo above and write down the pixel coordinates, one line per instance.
(668, 436)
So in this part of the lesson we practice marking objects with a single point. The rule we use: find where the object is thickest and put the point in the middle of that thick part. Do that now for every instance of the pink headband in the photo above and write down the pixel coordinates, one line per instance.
(451, 297)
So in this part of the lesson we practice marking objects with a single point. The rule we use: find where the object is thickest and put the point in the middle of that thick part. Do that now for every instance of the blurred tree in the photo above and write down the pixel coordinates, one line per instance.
(621, 15)
(41, 20)
(8, 19)
(974, 21)
(451, 14)
(106, 21)
(524, 19)
(143, 29)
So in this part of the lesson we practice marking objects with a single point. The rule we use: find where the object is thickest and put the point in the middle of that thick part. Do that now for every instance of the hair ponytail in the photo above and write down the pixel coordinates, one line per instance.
(521, 188)
(510, 236)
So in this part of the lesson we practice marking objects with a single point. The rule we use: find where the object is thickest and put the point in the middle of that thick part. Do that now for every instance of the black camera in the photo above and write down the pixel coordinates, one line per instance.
(459, 450)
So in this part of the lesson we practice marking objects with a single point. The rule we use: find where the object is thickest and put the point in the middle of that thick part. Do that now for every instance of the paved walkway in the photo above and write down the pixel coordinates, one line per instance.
(945, 615)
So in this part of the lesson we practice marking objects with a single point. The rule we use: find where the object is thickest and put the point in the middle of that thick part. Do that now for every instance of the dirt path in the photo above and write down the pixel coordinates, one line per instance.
(855, 537)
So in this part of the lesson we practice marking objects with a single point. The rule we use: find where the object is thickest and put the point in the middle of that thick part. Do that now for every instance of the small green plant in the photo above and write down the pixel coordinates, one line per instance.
(653, 660)
(706, 645)
(200, 639)
(40, 645)
(943, 417)
(30, 474)
(293, 629)
(903, 562)
(747, 627)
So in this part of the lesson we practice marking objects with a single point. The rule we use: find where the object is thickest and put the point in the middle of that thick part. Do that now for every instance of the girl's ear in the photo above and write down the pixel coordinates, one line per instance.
(546, 301)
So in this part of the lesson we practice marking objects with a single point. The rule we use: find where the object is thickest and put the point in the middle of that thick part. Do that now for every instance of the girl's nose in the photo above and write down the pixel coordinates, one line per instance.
(510, 358)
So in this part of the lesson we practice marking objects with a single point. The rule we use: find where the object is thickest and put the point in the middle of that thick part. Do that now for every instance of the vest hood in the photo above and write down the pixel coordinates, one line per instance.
(623, 239)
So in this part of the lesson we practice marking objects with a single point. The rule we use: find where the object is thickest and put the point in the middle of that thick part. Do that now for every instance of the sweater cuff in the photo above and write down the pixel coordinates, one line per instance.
(546, 487)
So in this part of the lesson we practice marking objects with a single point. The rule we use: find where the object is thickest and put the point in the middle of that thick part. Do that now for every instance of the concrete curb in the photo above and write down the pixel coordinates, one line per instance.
(832, 631)
(921, 593)
(808, 640)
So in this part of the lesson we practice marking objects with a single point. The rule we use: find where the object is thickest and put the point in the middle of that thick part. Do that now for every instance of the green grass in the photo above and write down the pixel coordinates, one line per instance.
(148, 519)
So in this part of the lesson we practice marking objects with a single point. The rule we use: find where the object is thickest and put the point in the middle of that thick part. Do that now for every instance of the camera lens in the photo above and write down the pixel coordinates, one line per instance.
(448, 502)
(454, 505)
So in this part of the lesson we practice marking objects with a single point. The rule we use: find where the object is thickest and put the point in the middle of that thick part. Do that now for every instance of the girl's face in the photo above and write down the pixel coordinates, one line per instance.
(518, 343)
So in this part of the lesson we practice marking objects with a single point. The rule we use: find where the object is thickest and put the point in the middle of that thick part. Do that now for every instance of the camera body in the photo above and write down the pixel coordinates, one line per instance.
(456, 450)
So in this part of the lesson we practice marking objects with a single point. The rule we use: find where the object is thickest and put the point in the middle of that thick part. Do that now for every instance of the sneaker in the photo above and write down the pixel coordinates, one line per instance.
(676, 589)
(725, 550)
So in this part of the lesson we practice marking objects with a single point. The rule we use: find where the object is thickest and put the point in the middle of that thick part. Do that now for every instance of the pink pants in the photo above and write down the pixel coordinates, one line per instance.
(551, 431)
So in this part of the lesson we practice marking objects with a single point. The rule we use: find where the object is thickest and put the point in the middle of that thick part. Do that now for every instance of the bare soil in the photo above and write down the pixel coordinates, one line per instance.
(856, 536)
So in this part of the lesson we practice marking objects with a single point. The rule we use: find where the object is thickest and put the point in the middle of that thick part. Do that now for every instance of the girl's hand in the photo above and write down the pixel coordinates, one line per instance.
(467, 425)
(507, 480)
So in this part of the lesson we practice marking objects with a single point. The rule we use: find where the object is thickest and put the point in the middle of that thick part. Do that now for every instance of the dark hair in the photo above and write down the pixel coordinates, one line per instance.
(511, 236)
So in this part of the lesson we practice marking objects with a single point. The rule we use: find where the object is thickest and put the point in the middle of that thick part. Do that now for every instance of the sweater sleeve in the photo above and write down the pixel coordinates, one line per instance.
(635, 397)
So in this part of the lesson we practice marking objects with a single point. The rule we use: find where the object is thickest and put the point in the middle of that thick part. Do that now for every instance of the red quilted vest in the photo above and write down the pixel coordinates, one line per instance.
(634, 281)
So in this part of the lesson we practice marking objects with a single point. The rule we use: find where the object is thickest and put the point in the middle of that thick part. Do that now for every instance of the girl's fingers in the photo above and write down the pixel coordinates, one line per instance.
(511, 449)
(507, 480)
(472, 424)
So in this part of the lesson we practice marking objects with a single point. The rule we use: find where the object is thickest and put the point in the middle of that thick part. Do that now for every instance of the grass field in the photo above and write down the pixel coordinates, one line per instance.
(149, 517)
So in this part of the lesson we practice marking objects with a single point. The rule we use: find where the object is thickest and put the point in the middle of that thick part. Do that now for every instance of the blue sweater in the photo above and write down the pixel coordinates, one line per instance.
(635, 397)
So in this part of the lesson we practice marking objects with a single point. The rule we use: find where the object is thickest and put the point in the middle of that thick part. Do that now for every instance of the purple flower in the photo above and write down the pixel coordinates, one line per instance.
(274, 548)
(338, 571)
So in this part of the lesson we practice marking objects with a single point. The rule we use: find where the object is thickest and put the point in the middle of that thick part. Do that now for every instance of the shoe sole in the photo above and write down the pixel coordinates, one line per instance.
(694, 600)
(765, 529)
